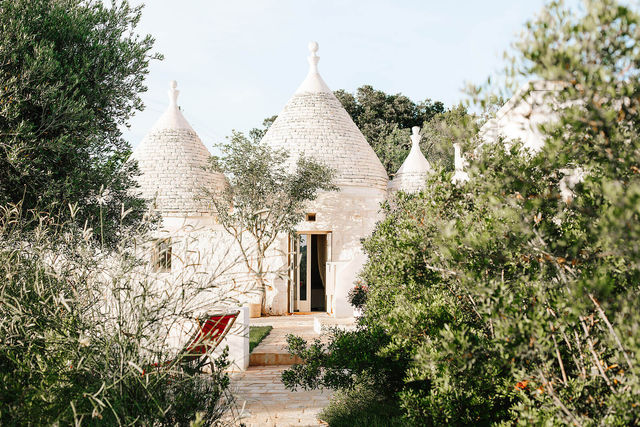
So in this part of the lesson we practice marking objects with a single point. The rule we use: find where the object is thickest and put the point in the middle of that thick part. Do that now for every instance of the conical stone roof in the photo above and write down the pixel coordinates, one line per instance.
(414, 170)
(172, 160)
(315, 123)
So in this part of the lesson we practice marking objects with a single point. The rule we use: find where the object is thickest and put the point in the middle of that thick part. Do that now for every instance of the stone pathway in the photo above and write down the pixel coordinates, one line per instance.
(266, 401)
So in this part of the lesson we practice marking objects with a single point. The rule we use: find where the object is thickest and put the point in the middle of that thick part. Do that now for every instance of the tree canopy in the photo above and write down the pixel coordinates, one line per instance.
(71, 72)
(385, 121)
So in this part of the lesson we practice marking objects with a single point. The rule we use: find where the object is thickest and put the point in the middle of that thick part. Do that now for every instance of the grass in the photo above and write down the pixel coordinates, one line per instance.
(257, 334)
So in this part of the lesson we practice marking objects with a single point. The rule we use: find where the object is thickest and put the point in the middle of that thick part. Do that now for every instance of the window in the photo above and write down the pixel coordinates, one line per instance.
(311, 217)
(162, 255)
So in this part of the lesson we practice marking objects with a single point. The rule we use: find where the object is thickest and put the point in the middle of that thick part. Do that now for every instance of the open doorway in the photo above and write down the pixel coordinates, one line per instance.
(310, 288)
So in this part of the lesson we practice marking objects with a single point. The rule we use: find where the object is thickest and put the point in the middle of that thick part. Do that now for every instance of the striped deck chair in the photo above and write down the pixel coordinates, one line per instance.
(211, 330)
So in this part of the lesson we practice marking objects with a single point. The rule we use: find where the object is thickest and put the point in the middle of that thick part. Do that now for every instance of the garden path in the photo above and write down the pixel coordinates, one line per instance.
(266, 401)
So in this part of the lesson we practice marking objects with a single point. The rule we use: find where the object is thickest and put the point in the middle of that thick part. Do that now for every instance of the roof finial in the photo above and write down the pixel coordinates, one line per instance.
(313, 58)
(459, 175)
(173, 93)
(313, 83)
(415, 136)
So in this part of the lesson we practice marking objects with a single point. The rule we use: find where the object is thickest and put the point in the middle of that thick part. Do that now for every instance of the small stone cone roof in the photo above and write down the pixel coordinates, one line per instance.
(172, 158)
(414, 171)
(315, 123)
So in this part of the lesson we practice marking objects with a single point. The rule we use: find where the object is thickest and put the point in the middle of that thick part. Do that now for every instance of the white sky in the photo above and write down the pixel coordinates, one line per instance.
(239, 61)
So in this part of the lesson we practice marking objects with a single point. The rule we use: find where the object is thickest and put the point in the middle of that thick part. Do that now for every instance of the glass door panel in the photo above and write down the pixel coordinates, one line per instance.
(302, 288)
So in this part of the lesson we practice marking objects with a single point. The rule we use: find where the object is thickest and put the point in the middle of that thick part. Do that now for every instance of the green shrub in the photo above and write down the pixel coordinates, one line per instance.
(363, 405)
(80, 330)
(512, 301)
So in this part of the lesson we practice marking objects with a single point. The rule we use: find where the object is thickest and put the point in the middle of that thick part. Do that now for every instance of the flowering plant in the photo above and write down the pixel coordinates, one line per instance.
(358, 295)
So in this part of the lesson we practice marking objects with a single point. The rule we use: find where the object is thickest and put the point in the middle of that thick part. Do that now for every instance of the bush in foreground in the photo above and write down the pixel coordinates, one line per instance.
(514, 300)
(80, 330)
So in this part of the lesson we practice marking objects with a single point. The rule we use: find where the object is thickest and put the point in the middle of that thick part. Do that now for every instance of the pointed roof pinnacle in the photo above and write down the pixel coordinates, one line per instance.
(460, 175)
(413, 173)
(173, 93)
(313, 59)
(415, 161)
(415, 137)
(172, 117)
(313, 83)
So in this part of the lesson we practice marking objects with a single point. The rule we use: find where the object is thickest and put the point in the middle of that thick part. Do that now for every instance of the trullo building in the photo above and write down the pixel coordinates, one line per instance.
(327, 247)
(325, 251)
(189, 244)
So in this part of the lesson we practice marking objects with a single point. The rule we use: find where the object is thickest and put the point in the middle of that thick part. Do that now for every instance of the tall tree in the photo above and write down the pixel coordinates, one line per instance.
(263, 200)
(71, 72)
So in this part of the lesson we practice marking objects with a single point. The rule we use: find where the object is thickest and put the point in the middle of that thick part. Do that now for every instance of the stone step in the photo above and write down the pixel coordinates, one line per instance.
(344, 323)
(272, 359)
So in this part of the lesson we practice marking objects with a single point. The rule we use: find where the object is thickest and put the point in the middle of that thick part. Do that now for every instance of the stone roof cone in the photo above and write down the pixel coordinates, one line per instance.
(172, 158)
(414, 170)
(314, 123)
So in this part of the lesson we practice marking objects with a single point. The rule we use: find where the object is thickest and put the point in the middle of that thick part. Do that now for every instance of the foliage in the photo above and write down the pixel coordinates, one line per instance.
(81, 330)
(360, 406)
(70, 76)
(346, 355)
(442, 131)
(350, 361)
(514, 303)
(256, 134)
(263, 198)
(357, 296)
(385, 121)
(257, 334)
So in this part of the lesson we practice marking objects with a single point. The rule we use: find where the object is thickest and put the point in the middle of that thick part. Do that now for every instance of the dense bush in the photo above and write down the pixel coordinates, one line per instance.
(80, 330)
(516, 302)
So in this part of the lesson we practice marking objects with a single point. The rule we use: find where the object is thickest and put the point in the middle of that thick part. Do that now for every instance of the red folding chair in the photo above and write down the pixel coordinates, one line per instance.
(210, 332)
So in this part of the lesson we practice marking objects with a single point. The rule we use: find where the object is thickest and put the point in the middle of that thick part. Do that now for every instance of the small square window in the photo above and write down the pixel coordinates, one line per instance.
(162, 255)
(311, 217)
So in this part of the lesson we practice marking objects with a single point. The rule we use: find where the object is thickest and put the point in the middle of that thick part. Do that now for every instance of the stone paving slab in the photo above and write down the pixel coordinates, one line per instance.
(272, 350)
(268, 403)
(260, 395)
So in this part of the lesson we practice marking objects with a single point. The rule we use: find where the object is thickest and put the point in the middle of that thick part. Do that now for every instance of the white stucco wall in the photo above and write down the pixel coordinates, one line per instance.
(206, 255)
(350, 215)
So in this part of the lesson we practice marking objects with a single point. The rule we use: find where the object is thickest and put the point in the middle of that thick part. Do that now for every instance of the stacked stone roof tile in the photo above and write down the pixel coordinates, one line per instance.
(315, 124)
(172, 160)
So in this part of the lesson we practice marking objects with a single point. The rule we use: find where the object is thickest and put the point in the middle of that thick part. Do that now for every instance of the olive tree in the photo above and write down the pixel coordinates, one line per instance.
(71, 74)
(264, 198)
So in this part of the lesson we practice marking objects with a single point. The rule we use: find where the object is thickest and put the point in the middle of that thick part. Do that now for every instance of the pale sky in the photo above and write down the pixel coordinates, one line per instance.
(239, 61)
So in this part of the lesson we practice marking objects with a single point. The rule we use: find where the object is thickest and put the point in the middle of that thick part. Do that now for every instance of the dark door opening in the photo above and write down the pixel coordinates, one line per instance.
(318, 271)
(309, 292)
